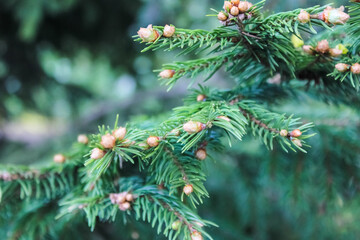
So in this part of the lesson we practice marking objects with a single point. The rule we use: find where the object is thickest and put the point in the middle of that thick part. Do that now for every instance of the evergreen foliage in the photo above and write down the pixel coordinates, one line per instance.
(157, 161)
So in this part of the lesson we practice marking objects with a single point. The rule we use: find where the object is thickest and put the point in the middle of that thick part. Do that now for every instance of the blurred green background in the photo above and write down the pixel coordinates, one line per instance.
(67, 66)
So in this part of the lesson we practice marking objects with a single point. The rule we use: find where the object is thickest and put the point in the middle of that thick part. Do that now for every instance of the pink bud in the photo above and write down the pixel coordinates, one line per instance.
(196, 236)
(119, 133)
(304, 17)
(322, 46)
(148, 34)
(335, 16)
(192, 127)
(153, 141)
(334, 52)
(82, 138)
(169, 31)
(108, 141)
(342, 67)
(165, 74)
(188, 189)
(97, 153)
(221, 16)
(308, 49)
(355, 68)
(59, 158)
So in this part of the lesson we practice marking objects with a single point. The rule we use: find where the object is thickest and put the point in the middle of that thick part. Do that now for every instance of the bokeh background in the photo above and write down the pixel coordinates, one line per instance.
(67, 66)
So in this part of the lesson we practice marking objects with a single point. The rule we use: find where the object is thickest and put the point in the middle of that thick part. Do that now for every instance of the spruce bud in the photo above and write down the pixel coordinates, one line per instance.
(192, 127)
(196, 236)
(169, 31)
(200, 98)
(148, 34)
(308, 49)
(304, 16)
(335, 15)
(234, 11)
(129, 197)
(235, 2)
(342, 67)
(59, 158)
(243, 6)
(97, 153)
(295, 133)
(355, 68)
(119, 133)
(283, 133)
(82, 138)
(108, 141)
(176, 225)
(221, 16)
(201, 154)
(227, 6)
(188, 189)
(323, 46)
(168, 73)
(297, 142)
(334, 52)
(153, 141)
(342, 48)
(124, 206)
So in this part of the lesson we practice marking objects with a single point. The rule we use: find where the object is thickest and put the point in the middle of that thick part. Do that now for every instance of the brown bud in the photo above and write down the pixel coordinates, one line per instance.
(295, 133)
(148, 34)
(117, 198)
(127, 143)
(188, 189)
(283, 133)
(129, 197)
(308, 49)
(297, 142)
(196, 236)
(201, 154)
(168, 73)
(243, 6)
(235, 2)
(192, 127)
(124, 206)
(342, 67)
(221, 16)
(323, 46)
(304, 17)
(119, 133)
(234, 11)
(97, 153)
(108, 141)
(82, 138)
(224, 118)
(355, 68)
(334, 52)
(153, 141)
(227, 6)
(59, 158)
(169, 31)
(200, 98)
(175, 132)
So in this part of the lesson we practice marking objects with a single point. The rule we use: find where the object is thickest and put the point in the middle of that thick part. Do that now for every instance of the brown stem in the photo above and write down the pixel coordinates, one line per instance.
(176, 162)
(257, 121)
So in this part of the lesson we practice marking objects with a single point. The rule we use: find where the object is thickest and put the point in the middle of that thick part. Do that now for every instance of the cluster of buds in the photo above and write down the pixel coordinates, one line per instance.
(330, 15)
(6, 176)
(192, 127)
(59, 158)
(323, 48)
(82, 138)
(188, 189)
(342, 67)
(123, 200)
(293, 135)
(153, 141)
(201, 154)
(149, 34)
(196, 236)
(235, 9)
